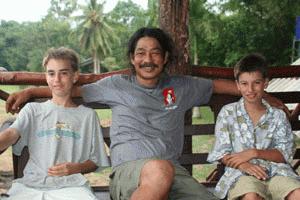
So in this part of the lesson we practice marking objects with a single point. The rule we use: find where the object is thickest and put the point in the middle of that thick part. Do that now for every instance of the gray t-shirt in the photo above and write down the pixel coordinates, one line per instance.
(148, 122)
(55, 134)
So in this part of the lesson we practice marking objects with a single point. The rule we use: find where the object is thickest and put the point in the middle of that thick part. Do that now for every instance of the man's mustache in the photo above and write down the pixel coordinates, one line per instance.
(153, 65)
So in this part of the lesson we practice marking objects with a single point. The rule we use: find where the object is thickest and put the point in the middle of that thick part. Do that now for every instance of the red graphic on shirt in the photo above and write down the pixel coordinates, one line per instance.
(169, 96)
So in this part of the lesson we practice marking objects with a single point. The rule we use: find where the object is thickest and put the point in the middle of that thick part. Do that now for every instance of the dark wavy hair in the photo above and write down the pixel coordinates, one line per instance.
(163, 39)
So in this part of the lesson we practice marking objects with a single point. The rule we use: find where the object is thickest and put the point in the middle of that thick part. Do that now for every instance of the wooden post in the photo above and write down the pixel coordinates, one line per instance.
(173, 18)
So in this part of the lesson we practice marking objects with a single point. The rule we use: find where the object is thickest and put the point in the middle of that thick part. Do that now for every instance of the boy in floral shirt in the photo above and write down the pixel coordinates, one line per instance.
(254, 141)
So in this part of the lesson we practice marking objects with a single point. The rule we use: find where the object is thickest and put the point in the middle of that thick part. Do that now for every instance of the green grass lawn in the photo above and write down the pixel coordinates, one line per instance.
(10, 88)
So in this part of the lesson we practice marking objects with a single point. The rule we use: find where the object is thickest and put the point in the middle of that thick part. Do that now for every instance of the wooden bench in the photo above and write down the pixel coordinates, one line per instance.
(188, 158)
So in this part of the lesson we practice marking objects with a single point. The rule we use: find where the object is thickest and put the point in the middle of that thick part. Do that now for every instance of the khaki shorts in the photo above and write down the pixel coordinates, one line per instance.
(125, 180)
(276, 188)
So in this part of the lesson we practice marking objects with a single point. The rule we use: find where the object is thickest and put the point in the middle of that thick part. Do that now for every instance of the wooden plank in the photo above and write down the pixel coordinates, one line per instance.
(297, 154)
(227, 72)
(287, 97)
(295, 125)
(194, 158)
(199, 129)
(100, 188)
(38, 78)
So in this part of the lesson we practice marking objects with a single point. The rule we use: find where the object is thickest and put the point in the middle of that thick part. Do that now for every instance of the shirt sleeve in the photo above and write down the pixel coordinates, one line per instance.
(284, 137)
(100, 91)
(22, 125)
(223, 144)
(198, 91)
(97, 153)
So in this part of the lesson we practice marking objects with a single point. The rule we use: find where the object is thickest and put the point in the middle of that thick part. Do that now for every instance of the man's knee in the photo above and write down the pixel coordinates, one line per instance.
(158, 170)
(251, 196)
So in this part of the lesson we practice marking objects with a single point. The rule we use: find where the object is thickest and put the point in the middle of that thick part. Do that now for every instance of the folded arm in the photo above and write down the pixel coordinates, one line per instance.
(241, 161)
(68, 168)
(234, 160)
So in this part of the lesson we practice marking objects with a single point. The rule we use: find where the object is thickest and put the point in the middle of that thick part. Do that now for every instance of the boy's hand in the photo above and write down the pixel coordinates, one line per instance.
(236, 159)
(15, 100)
(64, 169)
(254, 170)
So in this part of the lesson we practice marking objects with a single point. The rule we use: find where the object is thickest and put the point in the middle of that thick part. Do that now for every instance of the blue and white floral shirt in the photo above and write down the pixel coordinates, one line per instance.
(235, 132)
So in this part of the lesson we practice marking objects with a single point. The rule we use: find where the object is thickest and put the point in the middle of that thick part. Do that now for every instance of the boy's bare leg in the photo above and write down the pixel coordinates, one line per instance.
(155, 181)
(294, 195)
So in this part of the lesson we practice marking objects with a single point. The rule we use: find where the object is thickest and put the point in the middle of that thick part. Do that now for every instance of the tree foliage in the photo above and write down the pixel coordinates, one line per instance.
(96, 35)
(220, 32)
(244, 26)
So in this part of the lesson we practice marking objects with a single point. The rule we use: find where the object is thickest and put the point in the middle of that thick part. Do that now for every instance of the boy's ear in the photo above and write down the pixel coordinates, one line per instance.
(237, 84)
(266, 83)
(76, 77)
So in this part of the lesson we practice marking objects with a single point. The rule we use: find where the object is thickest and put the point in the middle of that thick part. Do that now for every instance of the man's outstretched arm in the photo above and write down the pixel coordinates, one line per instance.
(223, 86)
(17, 99)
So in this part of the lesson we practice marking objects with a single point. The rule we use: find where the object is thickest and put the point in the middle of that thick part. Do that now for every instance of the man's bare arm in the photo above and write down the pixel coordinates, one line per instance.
(17, 99)
(223, 86)
(295, 113)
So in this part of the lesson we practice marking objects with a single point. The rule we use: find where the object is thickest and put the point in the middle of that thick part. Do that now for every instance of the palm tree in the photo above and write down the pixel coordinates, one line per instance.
(96, 35)
(151, 13)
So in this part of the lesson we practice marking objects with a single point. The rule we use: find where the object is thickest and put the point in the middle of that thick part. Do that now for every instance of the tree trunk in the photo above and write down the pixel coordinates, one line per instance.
(195, 62)
(96, 64)
(196, 109)
(173, 18)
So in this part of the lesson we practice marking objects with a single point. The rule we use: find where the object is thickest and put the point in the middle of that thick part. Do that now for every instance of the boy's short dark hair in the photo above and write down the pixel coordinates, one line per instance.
(62, 53)
(251, 63)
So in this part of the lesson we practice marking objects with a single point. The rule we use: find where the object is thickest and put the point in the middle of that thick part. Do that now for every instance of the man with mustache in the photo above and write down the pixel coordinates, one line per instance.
(147, 131)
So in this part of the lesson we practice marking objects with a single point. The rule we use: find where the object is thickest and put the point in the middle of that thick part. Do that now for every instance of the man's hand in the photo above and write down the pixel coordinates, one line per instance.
(275, 102)
(254, 170)
(64, 169)
(16, 100)
(236, 159)
(296, 112)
